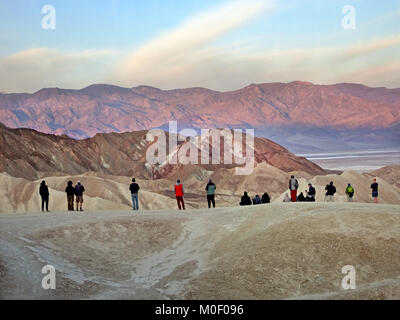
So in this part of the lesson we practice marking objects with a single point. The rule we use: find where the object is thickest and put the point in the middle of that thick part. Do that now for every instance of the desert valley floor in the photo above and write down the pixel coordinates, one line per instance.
(273, 251)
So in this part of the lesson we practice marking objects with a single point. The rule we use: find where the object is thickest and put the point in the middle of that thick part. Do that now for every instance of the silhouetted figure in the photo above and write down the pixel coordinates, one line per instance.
(210, 188)
(311, 193)
(245, 201)
(79, 190)
(44, 194)
(70, 191)
(301, 197)
(134, 189)
(179, 193)
(293, 186)
(286, 198)
(374, 187)
(350, 192)
(265, 198)
(330, 192)
(257, 200)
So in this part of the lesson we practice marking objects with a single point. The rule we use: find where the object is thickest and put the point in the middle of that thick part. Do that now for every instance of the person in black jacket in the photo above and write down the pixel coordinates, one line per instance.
(134, 188)
(311, 193)
(44, 193)
(330, 192)
(374, 187)
(210, 188)
(265, 198)
(245, 201)
(301, 197)
(70, 191)
(79, 190)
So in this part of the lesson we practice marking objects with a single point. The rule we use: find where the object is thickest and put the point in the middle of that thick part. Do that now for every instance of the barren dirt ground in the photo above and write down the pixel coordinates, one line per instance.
(275, 251)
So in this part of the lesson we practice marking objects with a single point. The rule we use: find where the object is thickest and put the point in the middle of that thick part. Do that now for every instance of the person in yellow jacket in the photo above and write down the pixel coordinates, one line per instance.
(350, 192)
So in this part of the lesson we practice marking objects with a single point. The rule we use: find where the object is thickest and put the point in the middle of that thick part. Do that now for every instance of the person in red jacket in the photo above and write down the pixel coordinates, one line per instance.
(179, 192)
(293, 186)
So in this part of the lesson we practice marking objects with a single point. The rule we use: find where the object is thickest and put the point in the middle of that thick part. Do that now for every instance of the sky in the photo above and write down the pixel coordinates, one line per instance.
(220, 44)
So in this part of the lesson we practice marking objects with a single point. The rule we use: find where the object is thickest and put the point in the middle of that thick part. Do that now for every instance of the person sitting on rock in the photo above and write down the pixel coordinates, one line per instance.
(301, 197)
(257, 200)
(265, 198)
(245, 201)
(287, 198)
(311, 193)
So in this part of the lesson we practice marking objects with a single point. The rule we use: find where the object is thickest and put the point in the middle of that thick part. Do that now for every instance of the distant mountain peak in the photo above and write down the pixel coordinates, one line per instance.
(107, 108)
(302, 83)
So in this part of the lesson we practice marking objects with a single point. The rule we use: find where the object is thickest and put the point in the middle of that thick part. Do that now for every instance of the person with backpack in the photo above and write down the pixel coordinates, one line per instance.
(257, 200)
(70, 191)
(79, 190)
(134, 189)
(245, 200)
(265, 198)
(44, 194)
(374, 187)
(311, 193)
(301, 198)
(210, 188)
(179, 192)
(293, 186)
(330, 192)
(349, 192)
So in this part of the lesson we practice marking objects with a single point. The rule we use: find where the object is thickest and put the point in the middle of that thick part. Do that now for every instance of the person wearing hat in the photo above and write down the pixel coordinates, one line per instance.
(79, 190)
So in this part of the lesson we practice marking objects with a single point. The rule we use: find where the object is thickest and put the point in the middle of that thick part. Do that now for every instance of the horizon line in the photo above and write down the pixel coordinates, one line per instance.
(199, 87)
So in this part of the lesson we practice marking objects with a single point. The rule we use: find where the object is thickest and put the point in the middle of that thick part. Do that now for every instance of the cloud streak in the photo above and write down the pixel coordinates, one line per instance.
(32, 69)
(174, 52)
(190, 55)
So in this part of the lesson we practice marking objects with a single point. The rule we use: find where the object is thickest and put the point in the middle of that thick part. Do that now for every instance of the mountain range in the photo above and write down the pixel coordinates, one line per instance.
(29, 154)
(300, 116)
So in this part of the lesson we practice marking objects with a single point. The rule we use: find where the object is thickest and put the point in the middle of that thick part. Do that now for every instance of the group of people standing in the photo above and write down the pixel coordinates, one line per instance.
(329, 195)
(179, 194)
(75, 193)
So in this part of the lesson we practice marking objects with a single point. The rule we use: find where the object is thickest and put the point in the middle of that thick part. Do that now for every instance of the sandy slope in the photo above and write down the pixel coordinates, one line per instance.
(276, 251)
(20, 195)
(107, 192)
